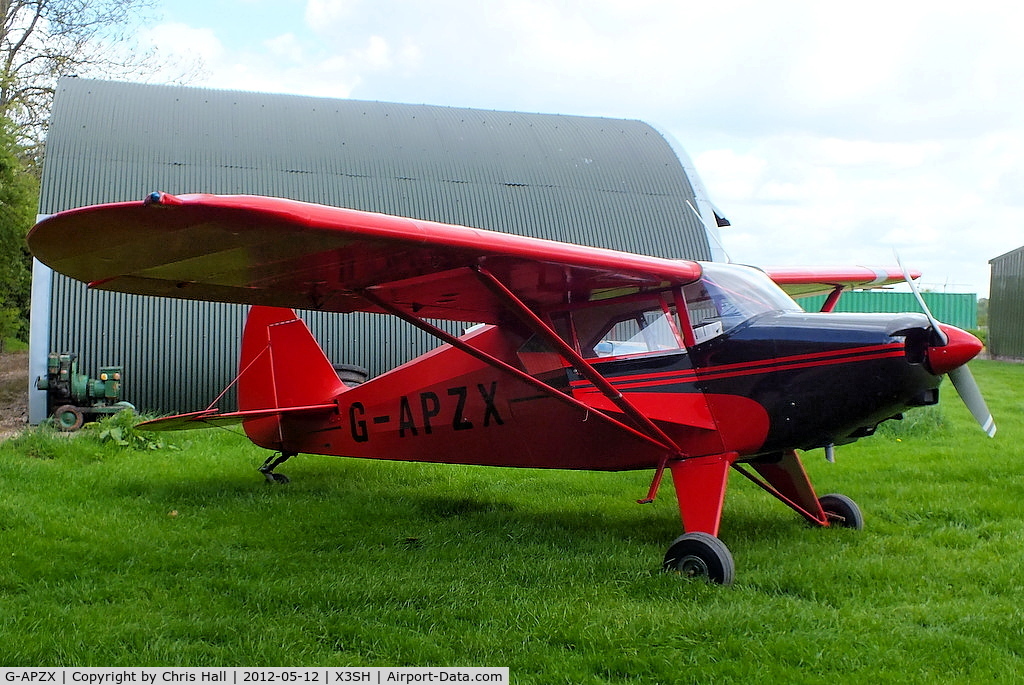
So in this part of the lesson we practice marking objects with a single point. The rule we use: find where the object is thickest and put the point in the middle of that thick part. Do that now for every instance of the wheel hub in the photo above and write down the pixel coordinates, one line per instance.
(693, 567)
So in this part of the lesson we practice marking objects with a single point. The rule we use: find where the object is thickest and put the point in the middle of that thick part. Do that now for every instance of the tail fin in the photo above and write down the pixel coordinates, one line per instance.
(281, 366)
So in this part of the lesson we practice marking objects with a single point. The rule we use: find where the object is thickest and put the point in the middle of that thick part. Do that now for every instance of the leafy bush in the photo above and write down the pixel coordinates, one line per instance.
(11, 325)
(45, 441)
(122, 430)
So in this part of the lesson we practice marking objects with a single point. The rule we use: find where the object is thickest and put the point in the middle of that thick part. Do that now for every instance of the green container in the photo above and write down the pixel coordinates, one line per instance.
(958, 309)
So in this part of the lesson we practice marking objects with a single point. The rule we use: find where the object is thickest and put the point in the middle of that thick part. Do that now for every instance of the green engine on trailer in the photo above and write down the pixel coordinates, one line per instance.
(71, 397)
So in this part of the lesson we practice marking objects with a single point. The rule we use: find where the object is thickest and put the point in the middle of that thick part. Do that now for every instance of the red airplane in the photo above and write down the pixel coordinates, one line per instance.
(587, 358)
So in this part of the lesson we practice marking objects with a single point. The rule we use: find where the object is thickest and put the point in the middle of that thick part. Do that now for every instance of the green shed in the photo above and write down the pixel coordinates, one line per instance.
(958, 309)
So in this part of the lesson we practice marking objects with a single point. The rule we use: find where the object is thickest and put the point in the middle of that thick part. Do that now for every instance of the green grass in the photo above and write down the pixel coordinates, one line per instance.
(114, 556)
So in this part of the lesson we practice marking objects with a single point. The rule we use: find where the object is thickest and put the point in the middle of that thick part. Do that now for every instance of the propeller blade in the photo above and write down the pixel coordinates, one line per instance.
(920, 300)
(963, 381)
(961, 376)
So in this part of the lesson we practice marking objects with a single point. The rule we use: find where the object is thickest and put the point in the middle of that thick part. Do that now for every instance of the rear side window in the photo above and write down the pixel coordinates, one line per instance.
(627, 327)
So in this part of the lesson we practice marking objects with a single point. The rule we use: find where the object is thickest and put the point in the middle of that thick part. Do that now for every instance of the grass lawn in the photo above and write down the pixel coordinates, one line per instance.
(186, 557)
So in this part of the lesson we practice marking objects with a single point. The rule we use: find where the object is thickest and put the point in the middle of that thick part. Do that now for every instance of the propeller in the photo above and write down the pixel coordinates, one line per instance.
(965, 384)
(936, 326)
(955, 349)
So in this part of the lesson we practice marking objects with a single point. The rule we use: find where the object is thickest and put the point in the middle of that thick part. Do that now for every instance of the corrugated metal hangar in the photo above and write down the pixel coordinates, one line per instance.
(603, 182)
(1006, 306)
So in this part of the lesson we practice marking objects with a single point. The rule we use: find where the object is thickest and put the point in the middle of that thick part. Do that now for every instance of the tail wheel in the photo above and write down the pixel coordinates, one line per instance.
(842, 511)
(699, 555)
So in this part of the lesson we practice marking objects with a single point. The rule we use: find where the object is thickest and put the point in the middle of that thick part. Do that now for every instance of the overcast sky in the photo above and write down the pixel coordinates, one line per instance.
(828, 133)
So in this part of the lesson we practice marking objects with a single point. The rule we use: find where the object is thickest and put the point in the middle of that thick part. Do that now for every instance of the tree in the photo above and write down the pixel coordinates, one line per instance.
(42, 40)
(19, 197)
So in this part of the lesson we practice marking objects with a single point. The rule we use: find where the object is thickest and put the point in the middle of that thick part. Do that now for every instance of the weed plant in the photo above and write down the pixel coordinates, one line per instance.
(118, 556)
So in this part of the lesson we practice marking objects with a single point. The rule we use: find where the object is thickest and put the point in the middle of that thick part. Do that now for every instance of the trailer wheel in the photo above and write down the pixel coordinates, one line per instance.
(68, 418)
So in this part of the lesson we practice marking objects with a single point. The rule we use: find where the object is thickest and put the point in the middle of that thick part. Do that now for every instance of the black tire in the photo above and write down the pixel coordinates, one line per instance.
(699, 555)
(68, 418)
(842, 511)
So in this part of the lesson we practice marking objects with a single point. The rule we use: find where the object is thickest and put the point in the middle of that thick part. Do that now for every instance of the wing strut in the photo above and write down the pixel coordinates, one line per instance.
(578, 362)
(491, 360)
(651, 429)
(833, 299)
(789, 475)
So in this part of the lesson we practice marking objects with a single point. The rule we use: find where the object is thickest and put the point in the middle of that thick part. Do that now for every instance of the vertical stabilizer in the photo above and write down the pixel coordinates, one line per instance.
(281, 366)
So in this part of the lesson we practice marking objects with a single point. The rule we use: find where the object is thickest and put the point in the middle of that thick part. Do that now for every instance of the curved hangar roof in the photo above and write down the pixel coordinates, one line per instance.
(603, 182)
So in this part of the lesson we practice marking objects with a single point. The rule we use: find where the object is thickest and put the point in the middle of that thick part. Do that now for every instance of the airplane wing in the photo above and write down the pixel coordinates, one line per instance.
(802, 282)
(285, 253)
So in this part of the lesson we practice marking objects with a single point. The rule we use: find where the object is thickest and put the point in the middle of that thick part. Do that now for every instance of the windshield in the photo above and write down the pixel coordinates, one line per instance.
(727, 295)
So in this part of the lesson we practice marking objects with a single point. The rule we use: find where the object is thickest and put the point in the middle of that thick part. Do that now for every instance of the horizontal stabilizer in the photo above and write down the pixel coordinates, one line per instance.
(213, 418)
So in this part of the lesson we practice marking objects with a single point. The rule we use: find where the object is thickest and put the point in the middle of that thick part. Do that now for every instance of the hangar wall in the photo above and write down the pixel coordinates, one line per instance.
(1006, 306)
(594, 181)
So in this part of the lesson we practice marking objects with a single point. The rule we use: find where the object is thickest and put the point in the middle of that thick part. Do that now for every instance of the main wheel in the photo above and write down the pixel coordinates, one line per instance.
(68, 418)
(842, 511)
(351, 374)
(699, 555)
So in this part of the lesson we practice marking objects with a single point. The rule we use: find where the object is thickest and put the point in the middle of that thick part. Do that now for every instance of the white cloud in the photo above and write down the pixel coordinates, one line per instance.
(287, 46)
(851, 202)
(825, 132)
(180, 40)
(328, 12)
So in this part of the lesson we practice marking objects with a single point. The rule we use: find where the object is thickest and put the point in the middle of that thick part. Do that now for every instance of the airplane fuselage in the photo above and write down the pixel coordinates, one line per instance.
(779, 382)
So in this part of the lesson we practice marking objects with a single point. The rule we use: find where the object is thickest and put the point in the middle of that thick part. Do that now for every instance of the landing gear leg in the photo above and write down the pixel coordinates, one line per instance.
(272, 462)
(700, 488)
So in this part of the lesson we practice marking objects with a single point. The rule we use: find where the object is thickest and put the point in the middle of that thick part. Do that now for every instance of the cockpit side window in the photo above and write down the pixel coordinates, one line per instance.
(628, 326)
(645, 323)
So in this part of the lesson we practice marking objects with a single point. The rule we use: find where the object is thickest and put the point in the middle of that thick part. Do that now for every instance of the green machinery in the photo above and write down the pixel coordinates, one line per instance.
(72, 396)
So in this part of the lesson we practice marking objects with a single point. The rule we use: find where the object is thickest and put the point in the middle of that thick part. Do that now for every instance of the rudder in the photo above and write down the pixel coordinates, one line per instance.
(281, 365)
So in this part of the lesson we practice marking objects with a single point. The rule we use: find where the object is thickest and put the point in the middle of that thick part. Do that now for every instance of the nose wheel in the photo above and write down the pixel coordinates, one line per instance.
(700, 555)
(842, 511)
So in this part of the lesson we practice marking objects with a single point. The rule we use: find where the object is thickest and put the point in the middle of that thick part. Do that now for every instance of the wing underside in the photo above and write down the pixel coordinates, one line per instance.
(277, 252)
(806, 281)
